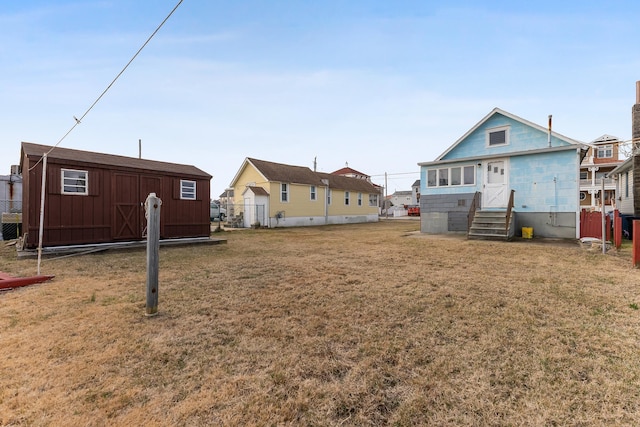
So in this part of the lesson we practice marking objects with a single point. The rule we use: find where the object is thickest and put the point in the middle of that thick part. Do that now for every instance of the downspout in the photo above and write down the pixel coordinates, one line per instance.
(549, 139)
(326, 200)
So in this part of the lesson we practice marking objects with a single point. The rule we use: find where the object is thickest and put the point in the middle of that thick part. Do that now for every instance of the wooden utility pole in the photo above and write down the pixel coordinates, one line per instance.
(152, 212)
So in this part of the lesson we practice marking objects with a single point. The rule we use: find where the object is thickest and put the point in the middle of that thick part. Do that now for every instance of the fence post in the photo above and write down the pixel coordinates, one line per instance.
(635, 252)
(617, 229)
(152, 212)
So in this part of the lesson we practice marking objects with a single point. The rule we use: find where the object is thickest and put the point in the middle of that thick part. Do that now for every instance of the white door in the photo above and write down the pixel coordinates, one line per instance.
(249, 209)
(496, 184)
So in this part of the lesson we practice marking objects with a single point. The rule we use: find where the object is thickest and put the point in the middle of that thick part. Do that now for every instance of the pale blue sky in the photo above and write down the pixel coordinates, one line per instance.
(381, 85)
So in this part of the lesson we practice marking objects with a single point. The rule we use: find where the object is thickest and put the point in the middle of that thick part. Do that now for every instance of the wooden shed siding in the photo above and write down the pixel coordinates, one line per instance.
(114, 208)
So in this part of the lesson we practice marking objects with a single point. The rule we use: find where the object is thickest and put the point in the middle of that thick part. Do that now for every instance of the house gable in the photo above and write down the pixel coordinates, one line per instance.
(519, 136)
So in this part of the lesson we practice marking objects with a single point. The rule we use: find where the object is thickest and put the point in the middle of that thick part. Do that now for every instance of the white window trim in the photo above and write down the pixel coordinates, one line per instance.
(313, 193)
(373, 202)
(604, 149)
(347, 198)
(462, 184)
(359, 199)
(75, 193)
(287, 192)
(188, 196)
(328, 196)
(498, 129)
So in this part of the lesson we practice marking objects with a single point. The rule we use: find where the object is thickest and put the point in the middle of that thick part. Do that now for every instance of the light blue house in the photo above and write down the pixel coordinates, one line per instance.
(504, 174)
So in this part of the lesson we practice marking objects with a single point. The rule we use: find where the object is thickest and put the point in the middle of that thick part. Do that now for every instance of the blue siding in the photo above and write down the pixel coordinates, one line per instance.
(545, 182)
(522, 138)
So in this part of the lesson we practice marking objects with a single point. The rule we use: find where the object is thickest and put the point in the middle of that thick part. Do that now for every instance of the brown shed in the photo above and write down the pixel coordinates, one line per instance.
(99, 198)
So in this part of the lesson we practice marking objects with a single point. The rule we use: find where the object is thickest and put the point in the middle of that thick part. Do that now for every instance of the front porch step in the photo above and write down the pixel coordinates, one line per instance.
(489, 225)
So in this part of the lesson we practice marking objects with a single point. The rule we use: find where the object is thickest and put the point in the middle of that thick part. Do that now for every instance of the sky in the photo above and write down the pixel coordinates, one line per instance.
(376, 85)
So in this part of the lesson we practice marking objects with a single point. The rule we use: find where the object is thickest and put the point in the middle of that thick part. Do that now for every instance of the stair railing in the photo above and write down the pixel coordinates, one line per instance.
(475, 204)
(509, 210)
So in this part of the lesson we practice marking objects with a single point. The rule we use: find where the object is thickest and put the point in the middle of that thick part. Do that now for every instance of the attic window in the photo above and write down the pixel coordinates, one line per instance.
(187, 190)
(498, 136)
(74, 182)
(605, 151)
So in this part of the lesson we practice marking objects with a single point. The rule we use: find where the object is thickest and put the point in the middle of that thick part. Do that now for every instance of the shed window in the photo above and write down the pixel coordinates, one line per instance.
(284, 192)
(187, 190)
(75, 182)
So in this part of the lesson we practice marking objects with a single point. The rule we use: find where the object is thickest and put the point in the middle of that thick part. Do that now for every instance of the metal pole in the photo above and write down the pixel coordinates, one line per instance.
(386, 194)
(604, 230)
(152, 212)
(42, 194)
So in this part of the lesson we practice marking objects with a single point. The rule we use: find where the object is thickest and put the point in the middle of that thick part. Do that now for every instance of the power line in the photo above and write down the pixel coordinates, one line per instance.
(79, 120)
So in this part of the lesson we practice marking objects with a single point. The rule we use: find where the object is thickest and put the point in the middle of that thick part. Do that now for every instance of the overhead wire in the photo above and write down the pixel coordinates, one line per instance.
(79, 120)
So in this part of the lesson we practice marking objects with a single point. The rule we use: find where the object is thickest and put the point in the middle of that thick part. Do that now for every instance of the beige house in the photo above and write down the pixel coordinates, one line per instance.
(279, 195)
(602, 157)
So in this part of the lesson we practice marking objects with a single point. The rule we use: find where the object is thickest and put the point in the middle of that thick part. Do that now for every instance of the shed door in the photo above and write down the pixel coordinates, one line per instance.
(150, 184)
(496, 183)
(126, 225)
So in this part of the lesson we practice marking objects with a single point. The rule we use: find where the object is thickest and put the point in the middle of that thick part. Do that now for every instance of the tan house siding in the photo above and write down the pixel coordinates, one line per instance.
(299, 209)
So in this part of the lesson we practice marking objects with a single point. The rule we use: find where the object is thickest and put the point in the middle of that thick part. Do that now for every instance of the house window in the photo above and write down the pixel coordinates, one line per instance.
(605, 151)
(75, 182)
(313, 193)
(432, 179)
(284, 192)
(626, 184)
(583, 195)
(346, 198)
(497, 136)
(187, 190)
(328, 196)
(359, 199)
(443, 177)
(584, 175)
(373, 200)
(469, 175)
(457, 175)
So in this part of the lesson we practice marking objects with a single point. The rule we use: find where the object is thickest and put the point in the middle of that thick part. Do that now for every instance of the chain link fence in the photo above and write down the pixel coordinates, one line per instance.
(11, 211)
(243, 215)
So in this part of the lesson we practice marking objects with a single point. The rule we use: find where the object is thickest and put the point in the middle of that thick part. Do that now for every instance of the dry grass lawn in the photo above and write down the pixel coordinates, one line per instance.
(368, 324)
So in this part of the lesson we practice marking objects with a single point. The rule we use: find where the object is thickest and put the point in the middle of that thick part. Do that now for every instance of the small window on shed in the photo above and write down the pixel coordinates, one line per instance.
(75, 182)
(187, 190)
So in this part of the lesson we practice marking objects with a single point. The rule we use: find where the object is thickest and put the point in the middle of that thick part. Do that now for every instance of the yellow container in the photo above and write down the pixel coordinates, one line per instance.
(527, 232)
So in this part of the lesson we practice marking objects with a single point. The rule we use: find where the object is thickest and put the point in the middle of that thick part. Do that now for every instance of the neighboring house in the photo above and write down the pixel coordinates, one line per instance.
(352, 173)
(279, 195)
(10, 204)
(602, 157)
(402, 198)
(11, 192)
(99, 198)
(622, 175)
(504, 162)
(415, 193)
